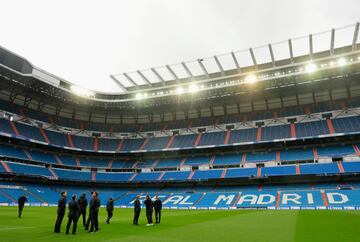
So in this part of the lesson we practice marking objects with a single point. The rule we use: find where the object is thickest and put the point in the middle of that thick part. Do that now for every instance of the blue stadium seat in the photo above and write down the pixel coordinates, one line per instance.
(311, 129)
(147, 176)
(346, 125)
(321, 168)
(168, 163)
(132, 144)
(175, 175)
(57, 138)
(296, 155)
(278, 170)
(182, 141)
(351, 167)
(214, 138)
(260, 157)
(221, 160)
(196, 161)
(27, 169)
(243, 135)
(157, 143)
(108, 144)
(275, 132)
(30, 132)
(73, 175)
(84, 143)
(207, 174)
(335, 151)
(240, 172)
(11, 151)
(113, 176)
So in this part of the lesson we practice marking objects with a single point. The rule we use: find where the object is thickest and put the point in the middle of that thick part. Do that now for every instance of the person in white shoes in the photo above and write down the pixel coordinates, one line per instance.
(149, 210)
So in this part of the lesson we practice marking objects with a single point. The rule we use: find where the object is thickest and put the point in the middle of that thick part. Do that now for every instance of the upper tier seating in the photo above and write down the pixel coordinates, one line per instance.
(29, 169)
(246, 134)
(227, 160)
(279, 170)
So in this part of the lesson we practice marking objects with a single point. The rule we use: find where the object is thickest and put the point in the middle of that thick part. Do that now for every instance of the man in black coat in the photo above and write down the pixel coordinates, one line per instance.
(73, 215)
(94, 212)
(60, 212)
(89, 218)
(137, 210)
(157, 207)
(149, 210)
(109, 209)
(83, 203)
(21, 203)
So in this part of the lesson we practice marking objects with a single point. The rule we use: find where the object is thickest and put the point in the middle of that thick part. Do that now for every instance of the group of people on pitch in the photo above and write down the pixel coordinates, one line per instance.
(77, 208)
(150, 205)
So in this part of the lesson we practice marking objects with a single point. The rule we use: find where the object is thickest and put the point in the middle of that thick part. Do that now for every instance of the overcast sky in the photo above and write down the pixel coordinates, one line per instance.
(84, 41)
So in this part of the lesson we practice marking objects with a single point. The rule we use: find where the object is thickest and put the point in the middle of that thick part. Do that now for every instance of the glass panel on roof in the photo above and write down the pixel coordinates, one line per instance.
(262, 54)
(321, 42)
(210, 65)
(123, 80)
(244, 58)
(164, 73)
(301, 46)
(137, 78)
(150, 75)
(180, 71)
(281, 50)
(227, 62)
(344, 36)
(195, 68)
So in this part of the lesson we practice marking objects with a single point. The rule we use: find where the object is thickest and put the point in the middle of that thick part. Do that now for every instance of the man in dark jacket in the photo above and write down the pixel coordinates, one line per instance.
(137, 210)
(109, 209)
(83, 203)
(89, 217)
(21, 203)
(149, 210)
(94, 212)
(157, 207)
(60, 212)
(73, 215)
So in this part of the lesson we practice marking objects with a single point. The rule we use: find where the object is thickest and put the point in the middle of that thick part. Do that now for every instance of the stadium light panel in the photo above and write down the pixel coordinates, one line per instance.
(179, 90)
(251, 79)
(341, 62)
(82, 91)
(310, 68)
(193, 88)
(139, 96)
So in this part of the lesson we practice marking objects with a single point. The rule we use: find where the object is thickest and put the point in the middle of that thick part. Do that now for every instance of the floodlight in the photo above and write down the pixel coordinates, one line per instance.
(139, 96)
(341, 61)
(310, 68)
(193, 88)
(82, 91)
(179, 90)
(251, 78)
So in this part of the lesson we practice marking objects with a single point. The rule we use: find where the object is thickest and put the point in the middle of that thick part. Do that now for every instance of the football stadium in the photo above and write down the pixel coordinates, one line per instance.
(261, 144)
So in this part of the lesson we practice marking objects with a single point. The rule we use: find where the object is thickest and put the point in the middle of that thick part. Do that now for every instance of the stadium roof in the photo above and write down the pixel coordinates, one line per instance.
(272, 71)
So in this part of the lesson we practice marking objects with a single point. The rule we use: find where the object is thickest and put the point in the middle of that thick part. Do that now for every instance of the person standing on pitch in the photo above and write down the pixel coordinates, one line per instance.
(137, 210)
(157, 207)
(73, 215)
(109, 209)
(21, 203)
(83, 203)
(94, 212)
(60, 212)
(89, 218)
(149, 210)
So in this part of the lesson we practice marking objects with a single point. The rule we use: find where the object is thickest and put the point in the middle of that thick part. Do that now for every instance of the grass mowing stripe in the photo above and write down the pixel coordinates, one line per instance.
(191, 226)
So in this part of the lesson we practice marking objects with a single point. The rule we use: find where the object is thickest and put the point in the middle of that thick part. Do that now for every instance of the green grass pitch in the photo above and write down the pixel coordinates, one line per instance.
(184, 225)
